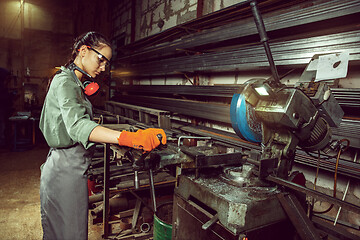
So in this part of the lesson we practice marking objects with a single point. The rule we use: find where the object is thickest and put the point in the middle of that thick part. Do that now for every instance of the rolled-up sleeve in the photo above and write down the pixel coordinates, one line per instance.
(75, 115)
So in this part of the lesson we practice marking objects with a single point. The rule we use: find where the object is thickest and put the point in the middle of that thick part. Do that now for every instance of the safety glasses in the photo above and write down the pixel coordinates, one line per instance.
(102, 59)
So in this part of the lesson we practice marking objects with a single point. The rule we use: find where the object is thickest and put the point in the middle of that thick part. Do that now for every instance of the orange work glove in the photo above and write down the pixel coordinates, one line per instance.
(145, 140)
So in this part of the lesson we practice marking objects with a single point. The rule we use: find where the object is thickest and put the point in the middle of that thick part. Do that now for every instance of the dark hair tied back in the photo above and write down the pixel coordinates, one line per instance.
(92, 39)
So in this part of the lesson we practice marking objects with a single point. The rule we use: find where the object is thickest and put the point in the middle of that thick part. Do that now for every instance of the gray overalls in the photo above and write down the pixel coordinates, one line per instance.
(64, 193)
(66, 122)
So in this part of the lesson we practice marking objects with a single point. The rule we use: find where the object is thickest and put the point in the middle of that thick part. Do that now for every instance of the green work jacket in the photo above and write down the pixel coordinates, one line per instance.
(66, 116)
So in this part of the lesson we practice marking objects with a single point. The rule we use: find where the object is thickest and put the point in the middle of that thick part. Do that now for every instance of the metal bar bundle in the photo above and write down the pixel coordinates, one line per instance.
(346, 97)
(349, 129)
(345, 167)
(285, 53)
(215, 111)
(184, 90)
(220, 112)
(295, 16)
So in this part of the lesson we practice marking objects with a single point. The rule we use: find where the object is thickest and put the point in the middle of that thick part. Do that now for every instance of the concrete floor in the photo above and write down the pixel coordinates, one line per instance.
(19, 195)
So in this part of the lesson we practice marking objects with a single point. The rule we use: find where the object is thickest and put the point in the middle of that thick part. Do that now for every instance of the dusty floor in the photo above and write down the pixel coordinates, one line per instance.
(19, 195)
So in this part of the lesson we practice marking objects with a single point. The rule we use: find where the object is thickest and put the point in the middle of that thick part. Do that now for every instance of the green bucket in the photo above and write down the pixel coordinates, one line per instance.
(162, 222)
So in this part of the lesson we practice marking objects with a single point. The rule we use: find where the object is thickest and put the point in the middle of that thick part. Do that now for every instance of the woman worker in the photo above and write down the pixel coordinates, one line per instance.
(66, 123)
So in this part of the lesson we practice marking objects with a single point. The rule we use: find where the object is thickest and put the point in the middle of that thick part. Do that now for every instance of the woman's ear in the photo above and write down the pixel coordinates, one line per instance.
(82, 50)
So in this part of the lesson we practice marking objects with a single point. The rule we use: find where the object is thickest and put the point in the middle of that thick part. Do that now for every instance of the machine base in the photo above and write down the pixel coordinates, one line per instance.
(196, 202)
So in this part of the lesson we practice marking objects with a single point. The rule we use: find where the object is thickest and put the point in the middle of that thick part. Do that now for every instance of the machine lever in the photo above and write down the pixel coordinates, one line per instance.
(152, 189)
(264, 40)
(139, 164)
(151, 179)
(211, 222)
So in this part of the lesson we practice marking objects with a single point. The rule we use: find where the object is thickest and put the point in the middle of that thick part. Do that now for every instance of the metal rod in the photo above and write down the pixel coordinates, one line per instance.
(152, 189)
(286, 52)
(346, 189)
(136, 214)
(191, 137)
(315, 13)
(345, 96)
(298, 217)
(106, 191)
(140, 199)
(316, 194)
(264, 40)
(136, 180)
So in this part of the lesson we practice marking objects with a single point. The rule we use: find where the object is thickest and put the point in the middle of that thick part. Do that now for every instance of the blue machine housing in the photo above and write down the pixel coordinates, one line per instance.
(243, 119)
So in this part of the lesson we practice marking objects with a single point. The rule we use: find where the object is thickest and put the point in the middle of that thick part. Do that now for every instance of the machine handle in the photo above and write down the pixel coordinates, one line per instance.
(139, 164)
(211, 222)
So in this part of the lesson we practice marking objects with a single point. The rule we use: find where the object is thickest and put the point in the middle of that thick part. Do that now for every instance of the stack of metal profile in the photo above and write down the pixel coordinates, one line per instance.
(214, 112)
(345, 167)
(348, 129)
(297, 15)
(220, 112)
(226, 91)
(347, 97)
(247, 57)
(235, 46)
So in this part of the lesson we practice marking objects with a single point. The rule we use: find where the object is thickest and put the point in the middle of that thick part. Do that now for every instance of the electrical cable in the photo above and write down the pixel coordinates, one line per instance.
(335, 173)
(332, 156)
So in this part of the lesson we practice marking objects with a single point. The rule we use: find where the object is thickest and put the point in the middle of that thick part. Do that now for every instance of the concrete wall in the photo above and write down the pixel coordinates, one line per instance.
(155, 16)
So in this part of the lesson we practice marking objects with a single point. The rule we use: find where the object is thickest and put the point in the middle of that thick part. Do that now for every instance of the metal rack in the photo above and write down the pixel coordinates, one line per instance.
(295, 16)
(234, 47)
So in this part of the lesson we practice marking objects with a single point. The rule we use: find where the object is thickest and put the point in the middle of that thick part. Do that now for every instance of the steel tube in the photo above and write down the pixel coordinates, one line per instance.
(290, 52)
(292, 18)
(106, 191)
(346, 97)
(315, 194)
(152, 190)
